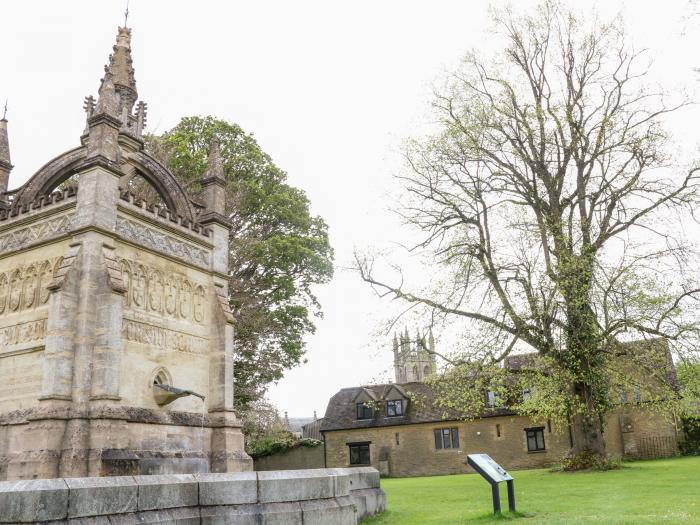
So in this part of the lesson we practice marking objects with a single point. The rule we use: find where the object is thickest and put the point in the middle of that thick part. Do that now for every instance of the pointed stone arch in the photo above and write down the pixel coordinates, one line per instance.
(66, 165)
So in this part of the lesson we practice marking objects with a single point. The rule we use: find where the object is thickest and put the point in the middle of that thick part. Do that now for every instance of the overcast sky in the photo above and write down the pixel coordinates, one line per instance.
(328, 88)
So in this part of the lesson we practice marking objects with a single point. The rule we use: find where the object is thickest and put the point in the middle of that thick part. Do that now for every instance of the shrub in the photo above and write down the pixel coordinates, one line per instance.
(278, 443)
(690, 445)
(587, 460)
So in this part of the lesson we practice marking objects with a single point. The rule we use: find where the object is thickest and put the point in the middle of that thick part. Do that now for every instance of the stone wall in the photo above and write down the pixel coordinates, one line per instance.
(293, 459)
(322, 496)
(409, 450)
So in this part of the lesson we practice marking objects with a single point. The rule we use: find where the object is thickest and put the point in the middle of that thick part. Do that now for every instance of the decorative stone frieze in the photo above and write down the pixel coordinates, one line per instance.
(41, 232)
(162, 242)
(26, 286)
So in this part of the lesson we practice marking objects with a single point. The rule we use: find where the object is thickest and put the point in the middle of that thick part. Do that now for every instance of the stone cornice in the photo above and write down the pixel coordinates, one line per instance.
(104, 118)
(174, 228)
(101, 162)
(28, 219)
(212, 217)
(213, 180)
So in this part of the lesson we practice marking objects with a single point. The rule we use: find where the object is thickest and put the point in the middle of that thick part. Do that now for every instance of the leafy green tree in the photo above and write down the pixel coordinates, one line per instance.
(279, 250)
(551, 202)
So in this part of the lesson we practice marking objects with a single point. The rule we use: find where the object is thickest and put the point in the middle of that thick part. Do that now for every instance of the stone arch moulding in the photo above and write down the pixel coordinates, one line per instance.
(51, 175)
(165, 184)
(62, 167)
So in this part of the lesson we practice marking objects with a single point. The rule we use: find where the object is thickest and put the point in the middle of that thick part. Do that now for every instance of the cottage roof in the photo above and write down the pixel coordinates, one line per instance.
(420, 407)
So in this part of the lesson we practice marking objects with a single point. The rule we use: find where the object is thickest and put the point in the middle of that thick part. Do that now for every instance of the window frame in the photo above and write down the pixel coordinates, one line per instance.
(534, 433)
(493, 399)
(364, 407)
(362, 447)
(446, 438)
(392, 402)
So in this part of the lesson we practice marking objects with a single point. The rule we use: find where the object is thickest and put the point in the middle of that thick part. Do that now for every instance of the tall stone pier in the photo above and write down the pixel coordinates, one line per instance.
(114, 307)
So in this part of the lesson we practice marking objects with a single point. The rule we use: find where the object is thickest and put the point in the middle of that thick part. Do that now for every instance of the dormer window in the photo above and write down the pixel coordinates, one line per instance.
(364, 411)
(394, 408)
(493, 399)
(528, 393)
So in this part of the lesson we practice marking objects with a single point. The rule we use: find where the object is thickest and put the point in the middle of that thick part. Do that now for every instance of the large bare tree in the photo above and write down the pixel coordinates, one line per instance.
(551, 199)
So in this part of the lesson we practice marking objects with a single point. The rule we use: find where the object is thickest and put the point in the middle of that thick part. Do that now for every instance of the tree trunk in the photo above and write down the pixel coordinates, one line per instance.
(586, 427)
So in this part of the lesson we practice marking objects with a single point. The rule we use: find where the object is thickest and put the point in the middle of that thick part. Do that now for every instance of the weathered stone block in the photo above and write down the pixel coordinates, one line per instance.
(92, 520)
(341, 481)
(259, 514)
(328, 512)
(34, 500)
(167, 491)
(294, 485)
(228, 489)
(362, 477)
(182, 516)
(368, 502)
(101, 496)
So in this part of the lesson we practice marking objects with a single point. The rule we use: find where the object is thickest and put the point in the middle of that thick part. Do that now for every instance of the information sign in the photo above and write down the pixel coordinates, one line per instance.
(494, 474)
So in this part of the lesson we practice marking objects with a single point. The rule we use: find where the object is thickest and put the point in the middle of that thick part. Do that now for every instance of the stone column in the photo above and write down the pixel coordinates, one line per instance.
(227, 443)
(96, 349)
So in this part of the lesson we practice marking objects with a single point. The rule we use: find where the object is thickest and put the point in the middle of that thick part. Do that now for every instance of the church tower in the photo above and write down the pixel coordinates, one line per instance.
(414, 359)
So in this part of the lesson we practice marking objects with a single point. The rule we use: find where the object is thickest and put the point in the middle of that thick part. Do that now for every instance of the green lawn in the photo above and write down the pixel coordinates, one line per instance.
(660, 491)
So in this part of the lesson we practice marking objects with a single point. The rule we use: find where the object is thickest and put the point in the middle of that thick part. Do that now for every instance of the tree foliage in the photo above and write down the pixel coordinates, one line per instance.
(550, 201)
(278, 249)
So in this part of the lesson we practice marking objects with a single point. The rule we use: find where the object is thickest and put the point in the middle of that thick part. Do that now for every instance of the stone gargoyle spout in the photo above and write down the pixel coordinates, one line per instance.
(166, 394)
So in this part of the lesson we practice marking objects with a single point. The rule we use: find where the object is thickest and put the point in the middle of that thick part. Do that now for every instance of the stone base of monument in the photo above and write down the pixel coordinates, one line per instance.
(318, 496)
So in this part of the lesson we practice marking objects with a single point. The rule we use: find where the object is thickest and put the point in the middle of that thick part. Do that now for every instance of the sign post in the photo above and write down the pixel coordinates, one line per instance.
(494, 474)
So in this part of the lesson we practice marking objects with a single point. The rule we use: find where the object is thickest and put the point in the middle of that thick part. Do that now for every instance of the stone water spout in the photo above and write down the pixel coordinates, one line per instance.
(166, 394)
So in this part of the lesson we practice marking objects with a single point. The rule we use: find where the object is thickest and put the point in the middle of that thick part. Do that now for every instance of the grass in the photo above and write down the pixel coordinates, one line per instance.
(661, 491)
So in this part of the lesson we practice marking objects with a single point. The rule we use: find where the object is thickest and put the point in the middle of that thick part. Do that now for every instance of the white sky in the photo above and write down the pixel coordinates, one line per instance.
(329, 89)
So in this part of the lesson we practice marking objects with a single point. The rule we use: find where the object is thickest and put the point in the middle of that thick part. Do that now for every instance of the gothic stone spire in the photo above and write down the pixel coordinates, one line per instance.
(5, 164)
(115, 102)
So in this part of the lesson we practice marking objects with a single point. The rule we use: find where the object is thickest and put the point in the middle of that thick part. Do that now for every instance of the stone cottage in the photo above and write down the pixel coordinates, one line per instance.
(116, 339)
(398, 429)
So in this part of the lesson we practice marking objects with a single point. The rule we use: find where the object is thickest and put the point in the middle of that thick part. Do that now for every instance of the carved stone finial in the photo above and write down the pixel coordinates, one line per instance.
(5, 163)
(214, 184)
(215, 166)
(141, 111)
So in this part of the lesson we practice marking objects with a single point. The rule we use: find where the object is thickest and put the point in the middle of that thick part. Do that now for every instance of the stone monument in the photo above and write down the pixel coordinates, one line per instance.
(116, 338)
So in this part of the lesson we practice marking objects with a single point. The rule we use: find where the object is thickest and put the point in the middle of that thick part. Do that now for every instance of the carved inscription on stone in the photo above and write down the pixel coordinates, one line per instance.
(38, 232)
(26, 287)
(170, 294)
(22, 333)
(161, 242)
(162, 337)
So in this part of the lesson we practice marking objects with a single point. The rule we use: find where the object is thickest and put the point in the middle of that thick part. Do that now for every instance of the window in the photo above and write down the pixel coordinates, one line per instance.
(493, 399)
(637, 394)
(364, 411)
(394, 408)
(623, 396)
(359, 453)
(426, 371)
(446, 438)
(535, 439)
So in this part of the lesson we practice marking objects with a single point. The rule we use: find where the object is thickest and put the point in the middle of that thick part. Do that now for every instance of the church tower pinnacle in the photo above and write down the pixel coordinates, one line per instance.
(414, 360)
